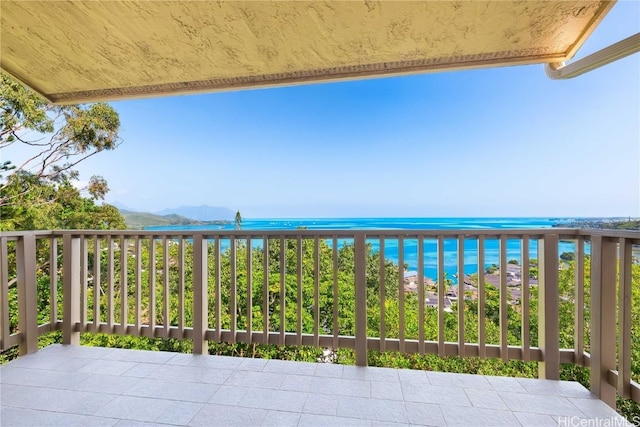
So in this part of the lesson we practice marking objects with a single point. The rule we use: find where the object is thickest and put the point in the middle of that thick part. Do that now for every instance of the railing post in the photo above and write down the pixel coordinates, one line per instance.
(27, 293)
(548, 335)
(200, 296)
(71, 295)
(361, 300)
(603, 317)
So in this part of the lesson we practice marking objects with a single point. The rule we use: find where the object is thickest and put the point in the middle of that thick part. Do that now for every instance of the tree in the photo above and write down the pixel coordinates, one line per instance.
(238, 221)
(568, 256)
(56, 137)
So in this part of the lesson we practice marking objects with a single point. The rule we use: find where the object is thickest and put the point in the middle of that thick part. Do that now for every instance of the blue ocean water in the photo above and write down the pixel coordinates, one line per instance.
(514, 246)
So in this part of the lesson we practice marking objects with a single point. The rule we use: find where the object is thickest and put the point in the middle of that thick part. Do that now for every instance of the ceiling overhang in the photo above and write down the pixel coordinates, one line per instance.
(81, 51)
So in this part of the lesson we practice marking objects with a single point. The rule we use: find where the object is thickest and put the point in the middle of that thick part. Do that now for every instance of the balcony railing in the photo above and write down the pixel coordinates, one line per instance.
(335, 289)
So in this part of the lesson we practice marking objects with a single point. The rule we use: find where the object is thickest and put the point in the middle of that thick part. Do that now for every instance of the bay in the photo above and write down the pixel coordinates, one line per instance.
(514, 246)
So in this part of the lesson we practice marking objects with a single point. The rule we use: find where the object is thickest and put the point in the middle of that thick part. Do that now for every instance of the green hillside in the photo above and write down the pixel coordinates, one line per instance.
(138, 220)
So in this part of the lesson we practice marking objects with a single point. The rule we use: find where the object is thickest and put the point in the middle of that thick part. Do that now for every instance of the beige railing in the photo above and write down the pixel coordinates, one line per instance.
(224, 286)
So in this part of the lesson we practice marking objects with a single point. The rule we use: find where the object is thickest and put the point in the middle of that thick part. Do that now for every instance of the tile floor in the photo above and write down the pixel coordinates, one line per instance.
(85, 386)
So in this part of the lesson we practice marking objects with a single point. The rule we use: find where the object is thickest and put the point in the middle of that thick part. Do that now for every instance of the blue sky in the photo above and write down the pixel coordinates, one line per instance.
(494, 142)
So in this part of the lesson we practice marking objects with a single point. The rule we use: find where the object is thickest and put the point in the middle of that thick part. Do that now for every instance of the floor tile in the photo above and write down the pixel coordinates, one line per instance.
(134, 408)
(428, 414)
(435, 394)
(488, 399)
(228, 395)
(413, 376)
(595, 408)
(256, 379)
(220, 415)
(46, 399)
(340, 386)
(539, 404)
(190, 374)
(389, 391)
(554, 388)
(163, 389)
(217, 362)
(300, 383)
(464, 416)
(371, 409)
(179, 413)
(107, 367)
(313, 420)
(447, 379)
(281, 419)
(387, 375)
(252, 364)
(288, 367)
(505, 384)
(321, 404)
(106, 384)
(30, 417)
(279, 400)
(329, 370)
(535, 420)
(141, 370)
(27, 376)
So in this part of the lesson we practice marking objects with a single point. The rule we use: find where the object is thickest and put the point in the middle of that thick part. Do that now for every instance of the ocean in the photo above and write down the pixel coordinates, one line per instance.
(411, 245)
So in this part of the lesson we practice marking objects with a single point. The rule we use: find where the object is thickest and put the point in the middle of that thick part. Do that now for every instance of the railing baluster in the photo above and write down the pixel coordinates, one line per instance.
(441, 291)
(110, 281)
(27, 293)
(421, 301)
(624, 319)
(218, 291)
(283, 273)
(138, 276)
(249, 294)
(361, 299)
(548, 333)
(165, 288)
(336, 331)
(504, 296)
(84, 271)
(71, 296)
(482, 339)
(233, 309)
(181, 294)
(579, 295)
(97, 257)
(200, 295)
(401, 315)
(524, 300)
(265, 290)
(603, 318)
(316, 292)
(461, 304)
(383, 296)
(152, 286)
(124, 287)
(299, 291)
(53, 281)
(4, 294)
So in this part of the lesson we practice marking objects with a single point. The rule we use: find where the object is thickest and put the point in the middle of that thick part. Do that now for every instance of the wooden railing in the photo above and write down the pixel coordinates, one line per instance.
(333, 289)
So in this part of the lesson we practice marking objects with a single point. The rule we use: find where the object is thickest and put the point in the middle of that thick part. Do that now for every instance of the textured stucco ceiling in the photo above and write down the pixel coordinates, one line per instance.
(75, 51)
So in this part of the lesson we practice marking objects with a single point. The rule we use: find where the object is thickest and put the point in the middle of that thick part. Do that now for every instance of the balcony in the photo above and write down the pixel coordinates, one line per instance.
(329, 290)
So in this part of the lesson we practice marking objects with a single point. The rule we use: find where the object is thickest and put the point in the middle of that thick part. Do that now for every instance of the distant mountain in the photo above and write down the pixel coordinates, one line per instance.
(201, 213)
(138, 220)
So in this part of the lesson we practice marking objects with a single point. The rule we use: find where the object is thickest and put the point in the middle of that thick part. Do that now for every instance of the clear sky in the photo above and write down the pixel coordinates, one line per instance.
(495, 142)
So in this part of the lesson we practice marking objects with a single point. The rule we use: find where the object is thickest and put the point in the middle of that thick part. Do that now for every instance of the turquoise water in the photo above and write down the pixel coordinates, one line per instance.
(411, 245)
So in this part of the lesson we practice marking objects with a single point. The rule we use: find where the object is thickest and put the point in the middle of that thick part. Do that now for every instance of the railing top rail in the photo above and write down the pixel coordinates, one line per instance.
(564, 233)
(340, 233)
(37, 233)
(628, 234)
